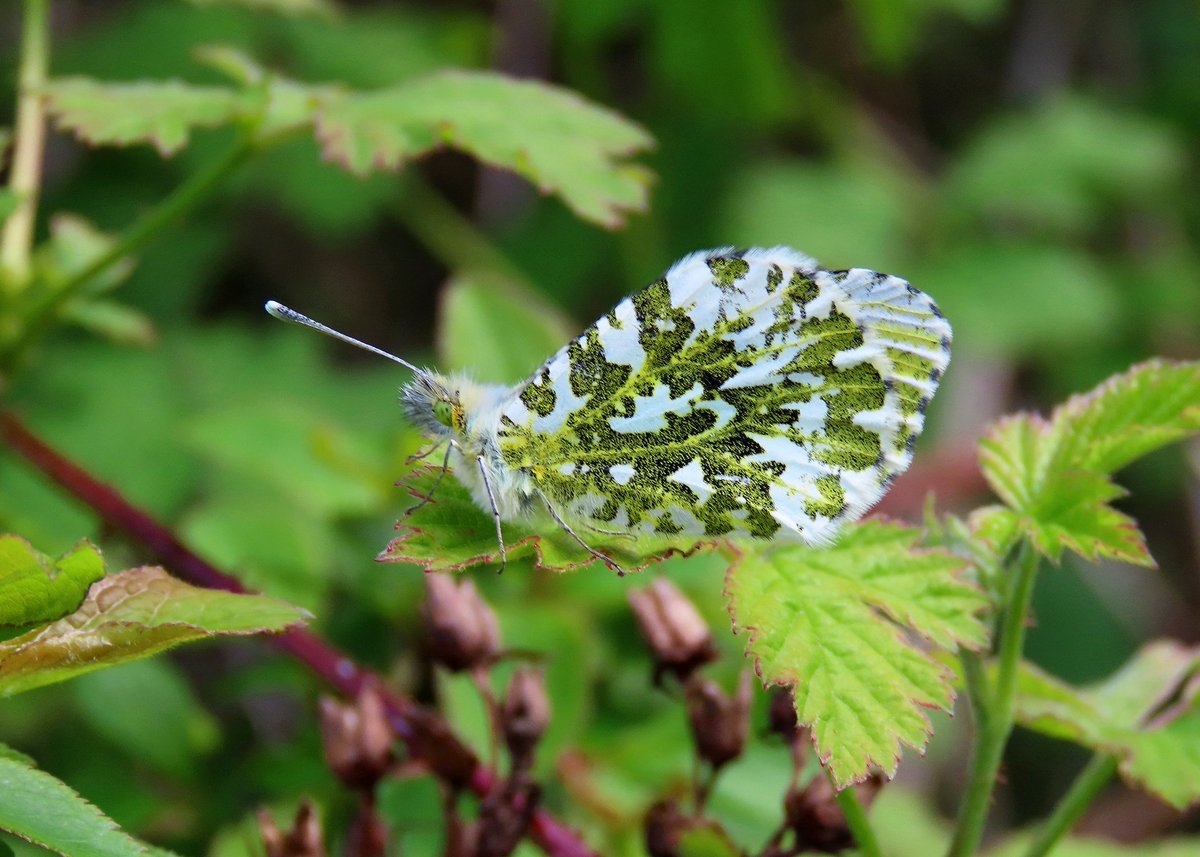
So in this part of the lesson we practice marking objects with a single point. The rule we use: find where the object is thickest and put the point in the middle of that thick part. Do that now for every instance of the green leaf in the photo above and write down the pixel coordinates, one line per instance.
(1061, 164)
(560, 142)
(74, 244)
(35, 588)
(1146, 714)
(161, 113)
(129, 615)
(43, 810)
(849, 215)
(116, 322)
(1056, 297)
(829, 623)
(496, 330)
(450, 533)
(1053, 474)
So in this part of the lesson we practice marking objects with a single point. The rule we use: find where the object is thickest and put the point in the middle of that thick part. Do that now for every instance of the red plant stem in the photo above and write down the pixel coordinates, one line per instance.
(426, 734)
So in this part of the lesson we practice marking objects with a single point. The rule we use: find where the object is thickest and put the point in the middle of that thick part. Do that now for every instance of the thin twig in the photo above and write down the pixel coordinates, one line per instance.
(1091, 780)
(16, 240)
(426, 734)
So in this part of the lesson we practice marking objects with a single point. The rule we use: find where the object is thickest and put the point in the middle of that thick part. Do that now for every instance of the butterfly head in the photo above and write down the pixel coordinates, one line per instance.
(433, 406)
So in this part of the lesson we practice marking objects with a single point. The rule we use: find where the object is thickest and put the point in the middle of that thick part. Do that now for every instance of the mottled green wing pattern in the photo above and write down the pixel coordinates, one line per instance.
(745, 393)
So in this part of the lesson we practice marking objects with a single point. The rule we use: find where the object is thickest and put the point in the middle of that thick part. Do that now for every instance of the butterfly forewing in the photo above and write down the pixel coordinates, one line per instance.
(742, 394)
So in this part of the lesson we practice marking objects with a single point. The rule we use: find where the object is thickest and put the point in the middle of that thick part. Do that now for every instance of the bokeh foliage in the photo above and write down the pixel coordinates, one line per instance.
(1044, 195)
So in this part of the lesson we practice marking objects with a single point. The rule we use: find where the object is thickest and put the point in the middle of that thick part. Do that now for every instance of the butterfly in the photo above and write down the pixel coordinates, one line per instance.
(746, 393)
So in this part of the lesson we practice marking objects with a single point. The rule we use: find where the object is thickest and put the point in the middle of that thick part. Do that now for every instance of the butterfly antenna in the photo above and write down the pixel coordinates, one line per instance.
(284, 313)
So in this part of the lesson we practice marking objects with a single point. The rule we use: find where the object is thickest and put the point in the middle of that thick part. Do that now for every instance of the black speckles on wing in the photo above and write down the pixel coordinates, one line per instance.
(741, 394)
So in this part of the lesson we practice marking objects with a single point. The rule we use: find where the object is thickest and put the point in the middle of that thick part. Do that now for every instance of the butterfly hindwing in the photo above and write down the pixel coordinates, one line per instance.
(742, 394)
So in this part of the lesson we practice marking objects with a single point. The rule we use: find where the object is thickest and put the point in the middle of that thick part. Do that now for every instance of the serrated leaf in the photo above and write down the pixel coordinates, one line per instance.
(1153, 404)
(831, 625)
(129, 615)
(495, 330)
(161, 113)
(1146, 714)
(35, 588)
(43, 810)
(288, 104)
(450, 533)
(1053, 474)
(560, 142)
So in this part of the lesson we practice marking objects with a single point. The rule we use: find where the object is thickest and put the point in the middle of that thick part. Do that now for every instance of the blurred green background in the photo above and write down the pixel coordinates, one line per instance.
(1032, 165)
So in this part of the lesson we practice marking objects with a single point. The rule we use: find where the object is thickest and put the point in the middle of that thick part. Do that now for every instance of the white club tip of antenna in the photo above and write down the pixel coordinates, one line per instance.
(283, 313)
(280, 312)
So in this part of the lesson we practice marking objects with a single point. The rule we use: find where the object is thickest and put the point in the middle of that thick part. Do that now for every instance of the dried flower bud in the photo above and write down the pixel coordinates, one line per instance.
(720, 723)
(357, 738)
(504, 819)
(666, 825)
(303, 840)
(461, 628)
(525, 714)
(677, 636)
(817, 820)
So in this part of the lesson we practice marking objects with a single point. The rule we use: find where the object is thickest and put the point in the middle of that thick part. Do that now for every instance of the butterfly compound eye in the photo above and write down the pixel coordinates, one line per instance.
(443, 412)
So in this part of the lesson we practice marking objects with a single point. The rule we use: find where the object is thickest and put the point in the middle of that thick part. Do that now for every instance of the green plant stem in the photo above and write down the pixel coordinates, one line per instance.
(976, 683)
(182, 200)
(1079, 797)
(856, 820)
(996, 720)
(16, 242)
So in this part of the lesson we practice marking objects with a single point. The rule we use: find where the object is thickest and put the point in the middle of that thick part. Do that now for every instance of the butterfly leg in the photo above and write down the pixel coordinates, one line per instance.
(609, 561)
(422, 454)
(436, 482)
(487, 486)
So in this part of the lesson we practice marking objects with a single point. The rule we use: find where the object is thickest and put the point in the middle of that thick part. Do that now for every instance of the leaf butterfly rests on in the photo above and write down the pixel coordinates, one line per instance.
(746, 393)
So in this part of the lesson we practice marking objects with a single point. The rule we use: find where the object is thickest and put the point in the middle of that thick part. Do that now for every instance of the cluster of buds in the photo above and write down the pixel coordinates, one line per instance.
(357, 740)
(463, 635)
(681, 643)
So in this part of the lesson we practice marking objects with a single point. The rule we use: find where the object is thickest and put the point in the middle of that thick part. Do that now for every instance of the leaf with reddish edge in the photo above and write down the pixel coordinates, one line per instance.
(134, 614)
(560, 142)
(831, 624)
(35, 588)
(161, 113)
(1053, 474)
(450, 533)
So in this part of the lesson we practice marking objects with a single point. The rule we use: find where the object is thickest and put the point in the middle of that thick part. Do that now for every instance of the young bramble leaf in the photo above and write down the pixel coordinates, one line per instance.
(162, 113)
(1053, 474)
(1146, 714)
(450, 533)
(43, 810)
(35, 588)
(562, 143)
(130, 615)
(830, 622)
